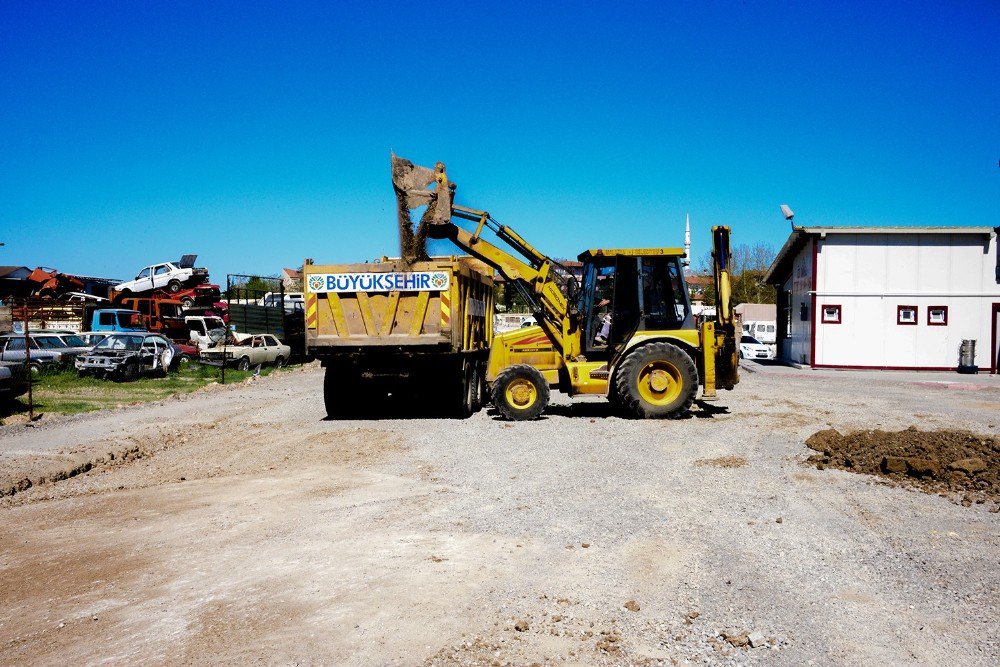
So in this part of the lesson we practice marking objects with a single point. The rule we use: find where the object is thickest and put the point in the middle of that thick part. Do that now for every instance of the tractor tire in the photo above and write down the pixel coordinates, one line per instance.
(244, 364)
(657, 381)
(520, 393)
(174, 287)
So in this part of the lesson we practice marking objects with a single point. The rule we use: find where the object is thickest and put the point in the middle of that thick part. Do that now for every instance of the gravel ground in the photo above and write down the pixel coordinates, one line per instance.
(272, 536)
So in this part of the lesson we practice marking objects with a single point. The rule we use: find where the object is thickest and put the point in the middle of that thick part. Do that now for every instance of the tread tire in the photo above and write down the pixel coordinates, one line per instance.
(504, 380)
(627, 376)
(243, 364)
(340, 398)
(131, 372)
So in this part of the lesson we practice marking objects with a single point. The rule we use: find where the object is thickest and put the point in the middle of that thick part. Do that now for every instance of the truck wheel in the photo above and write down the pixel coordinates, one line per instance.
(658, 380)
(468, 388)
(174, 287)
(340, 398)
(477, 387)
(244, 364)
(520, 393)
(130, 372)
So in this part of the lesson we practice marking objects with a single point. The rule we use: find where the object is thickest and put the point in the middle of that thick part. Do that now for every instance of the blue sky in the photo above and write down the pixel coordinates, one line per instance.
(258, 134)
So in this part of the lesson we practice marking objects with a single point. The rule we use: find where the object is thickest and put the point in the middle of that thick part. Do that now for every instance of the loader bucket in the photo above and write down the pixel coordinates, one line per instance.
(411, 181)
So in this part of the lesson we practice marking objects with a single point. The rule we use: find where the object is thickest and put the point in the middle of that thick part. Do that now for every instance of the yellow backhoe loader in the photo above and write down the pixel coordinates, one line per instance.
(624, 331)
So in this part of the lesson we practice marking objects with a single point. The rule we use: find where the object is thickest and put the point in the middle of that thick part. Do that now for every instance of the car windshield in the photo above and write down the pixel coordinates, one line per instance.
(120, 343)
(74, 341)
(751, 340)
(49, 342)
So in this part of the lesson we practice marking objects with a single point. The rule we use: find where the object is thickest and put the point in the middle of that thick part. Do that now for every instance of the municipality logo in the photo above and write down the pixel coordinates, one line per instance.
(316, 283)
(439, 280)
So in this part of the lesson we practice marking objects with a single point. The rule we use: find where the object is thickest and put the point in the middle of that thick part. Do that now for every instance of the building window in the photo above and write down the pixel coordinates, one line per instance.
(906, 314)
(830, 314)
(937, 316)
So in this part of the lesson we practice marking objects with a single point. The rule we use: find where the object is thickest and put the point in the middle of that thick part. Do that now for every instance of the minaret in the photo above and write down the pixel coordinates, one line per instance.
(687, 241)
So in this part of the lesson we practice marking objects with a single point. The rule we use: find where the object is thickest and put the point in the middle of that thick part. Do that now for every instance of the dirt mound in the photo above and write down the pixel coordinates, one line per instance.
(943, 461)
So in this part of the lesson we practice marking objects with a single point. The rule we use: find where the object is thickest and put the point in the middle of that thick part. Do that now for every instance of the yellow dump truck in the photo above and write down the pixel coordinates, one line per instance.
(388, 331)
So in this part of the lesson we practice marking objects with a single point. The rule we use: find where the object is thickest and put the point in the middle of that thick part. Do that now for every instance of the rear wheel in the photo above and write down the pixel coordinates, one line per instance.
(462, 390)
(521, 393)
(279, 362)
(187, 302)
(174, 286)
(658, 380)
(340, 393)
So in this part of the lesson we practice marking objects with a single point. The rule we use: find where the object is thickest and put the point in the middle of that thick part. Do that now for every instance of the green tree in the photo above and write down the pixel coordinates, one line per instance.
(747, 267)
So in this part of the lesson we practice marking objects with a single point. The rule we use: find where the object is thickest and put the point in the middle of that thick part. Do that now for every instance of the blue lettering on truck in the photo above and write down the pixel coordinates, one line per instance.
(406, 281)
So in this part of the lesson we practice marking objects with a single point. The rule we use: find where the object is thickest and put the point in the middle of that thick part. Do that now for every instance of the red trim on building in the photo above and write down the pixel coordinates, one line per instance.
(812, 314)
(993, 346)
(899, 312)
(932, 323)
(822, 313)
(847, 367)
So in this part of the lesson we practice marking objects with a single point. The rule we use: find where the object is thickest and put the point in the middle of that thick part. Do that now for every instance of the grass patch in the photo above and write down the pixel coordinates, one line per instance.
(67, 393)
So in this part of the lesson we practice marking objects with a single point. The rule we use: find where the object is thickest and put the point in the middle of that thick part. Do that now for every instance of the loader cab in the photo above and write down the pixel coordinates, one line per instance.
(625, 291)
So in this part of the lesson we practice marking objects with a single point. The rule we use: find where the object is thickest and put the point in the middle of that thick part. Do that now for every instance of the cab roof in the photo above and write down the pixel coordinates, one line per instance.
(630, 252)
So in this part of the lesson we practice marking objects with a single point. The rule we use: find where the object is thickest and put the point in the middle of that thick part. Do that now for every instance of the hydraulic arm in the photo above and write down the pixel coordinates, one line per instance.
(530, 271)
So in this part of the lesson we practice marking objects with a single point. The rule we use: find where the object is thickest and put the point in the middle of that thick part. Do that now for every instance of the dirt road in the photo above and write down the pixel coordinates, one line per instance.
(237, 526)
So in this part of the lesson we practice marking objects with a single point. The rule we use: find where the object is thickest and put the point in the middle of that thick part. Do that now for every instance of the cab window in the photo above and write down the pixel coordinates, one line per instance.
(664, 303)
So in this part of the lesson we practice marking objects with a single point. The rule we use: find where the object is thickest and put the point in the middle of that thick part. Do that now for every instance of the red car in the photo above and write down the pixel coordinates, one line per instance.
(199, 295)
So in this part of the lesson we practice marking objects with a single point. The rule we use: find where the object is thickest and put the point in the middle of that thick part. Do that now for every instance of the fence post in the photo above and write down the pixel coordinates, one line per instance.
(27, 363)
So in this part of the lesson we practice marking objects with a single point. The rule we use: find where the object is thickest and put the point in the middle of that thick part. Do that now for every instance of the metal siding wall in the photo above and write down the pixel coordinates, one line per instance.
(900, 269)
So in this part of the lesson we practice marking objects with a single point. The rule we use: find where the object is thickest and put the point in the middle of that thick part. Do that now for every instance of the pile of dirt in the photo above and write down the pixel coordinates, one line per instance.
(410, 183)
(947, 462)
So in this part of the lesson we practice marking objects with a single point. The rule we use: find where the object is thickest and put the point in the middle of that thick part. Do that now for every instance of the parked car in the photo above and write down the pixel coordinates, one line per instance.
(199, 295)
(250, 350)
(128, 356)
(12, 349)
(13, 380)
(751, 348)
(82, 297)
(172, 276)
(92, 338)
(205, 331)
(292, 300)
(66, 344)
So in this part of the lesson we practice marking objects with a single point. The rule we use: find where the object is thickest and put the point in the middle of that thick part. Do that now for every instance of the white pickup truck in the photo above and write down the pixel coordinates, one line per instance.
(172, 276)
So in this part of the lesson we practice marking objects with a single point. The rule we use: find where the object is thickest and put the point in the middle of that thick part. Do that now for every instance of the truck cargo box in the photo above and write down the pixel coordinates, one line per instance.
(444, 305)
(390, 334)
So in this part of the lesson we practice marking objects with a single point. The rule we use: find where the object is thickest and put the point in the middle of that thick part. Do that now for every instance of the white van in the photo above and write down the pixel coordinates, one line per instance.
(765, 332)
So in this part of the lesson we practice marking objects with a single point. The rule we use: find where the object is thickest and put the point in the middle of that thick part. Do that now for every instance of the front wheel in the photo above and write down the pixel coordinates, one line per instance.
(244, 364)
(130, 372)
(187, 302)
(521, 393)
(657, 380)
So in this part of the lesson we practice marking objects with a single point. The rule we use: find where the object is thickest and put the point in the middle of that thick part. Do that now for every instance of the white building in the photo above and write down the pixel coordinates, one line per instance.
(888, 297)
